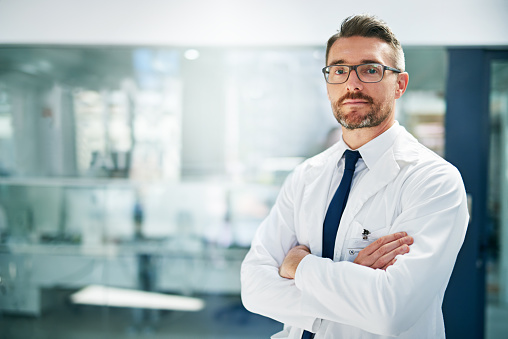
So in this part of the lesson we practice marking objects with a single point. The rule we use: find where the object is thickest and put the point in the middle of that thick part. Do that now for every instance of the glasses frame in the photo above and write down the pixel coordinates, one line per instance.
(326, 71)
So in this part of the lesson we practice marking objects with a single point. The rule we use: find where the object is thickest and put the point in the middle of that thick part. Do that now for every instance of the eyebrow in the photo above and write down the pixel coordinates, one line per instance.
(364, 61)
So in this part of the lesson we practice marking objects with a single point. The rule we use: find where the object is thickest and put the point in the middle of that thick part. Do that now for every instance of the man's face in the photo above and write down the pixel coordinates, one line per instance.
(357, 104)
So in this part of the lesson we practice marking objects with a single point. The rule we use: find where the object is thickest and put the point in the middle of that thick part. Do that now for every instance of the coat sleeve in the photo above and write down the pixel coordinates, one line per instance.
(434, 212)
(263, 290)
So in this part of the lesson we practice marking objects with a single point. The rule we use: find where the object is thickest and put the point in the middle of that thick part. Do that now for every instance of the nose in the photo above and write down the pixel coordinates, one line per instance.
(353, 83)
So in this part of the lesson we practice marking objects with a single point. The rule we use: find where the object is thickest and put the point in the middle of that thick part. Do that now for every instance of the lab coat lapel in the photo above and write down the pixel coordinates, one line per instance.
(384, 171)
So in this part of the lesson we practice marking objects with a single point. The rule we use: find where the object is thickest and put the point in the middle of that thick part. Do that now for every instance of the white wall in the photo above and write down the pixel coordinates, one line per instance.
(253, 22)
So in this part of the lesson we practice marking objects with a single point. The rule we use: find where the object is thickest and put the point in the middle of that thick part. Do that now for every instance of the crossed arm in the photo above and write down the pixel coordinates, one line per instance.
(434, 213)
(380, 254)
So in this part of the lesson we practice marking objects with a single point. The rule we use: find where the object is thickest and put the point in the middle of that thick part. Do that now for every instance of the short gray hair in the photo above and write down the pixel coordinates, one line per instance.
(369, 26)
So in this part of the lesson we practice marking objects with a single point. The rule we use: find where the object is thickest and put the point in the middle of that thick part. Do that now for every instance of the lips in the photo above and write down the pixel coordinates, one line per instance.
(355, 99)
(354, 102)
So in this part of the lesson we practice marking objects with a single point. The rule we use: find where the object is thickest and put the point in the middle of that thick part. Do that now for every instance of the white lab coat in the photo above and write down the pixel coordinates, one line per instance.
(410, 189)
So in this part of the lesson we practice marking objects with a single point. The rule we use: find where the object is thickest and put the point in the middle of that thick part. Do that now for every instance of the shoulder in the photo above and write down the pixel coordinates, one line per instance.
(422, 166)
(408, 150)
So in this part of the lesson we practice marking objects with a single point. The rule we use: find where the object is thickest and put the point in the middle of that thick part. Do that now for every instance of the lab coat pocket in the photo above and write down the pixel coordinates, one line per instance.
(355, 242)
(361, 237)
(376, 234)
(354, 247)
(373, 229)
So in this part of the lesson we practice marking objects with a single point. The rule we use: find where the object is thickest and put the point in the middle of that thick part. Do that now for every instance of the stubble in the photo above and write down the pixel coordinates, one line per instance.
(351, 120)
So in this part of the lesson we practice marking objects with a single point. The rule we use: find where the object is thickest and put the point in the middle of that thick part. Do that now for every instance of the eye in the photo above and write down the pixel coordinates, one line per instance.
(339, 70)
(372, 70)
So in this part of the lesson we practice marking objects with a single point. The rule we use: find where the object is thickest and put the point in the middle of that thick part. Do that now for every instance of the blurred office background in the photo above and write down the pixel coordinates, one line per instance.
(141, 144)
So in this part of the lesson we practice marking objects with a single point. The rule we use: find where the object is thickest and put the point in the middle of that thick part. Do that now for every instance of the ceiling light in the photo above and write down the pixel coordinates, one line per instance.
(191, 54)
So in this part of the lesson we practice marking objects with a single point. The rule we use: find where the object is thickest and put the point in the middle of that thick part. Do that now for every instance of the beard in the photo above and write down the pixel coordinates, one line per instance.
(353, 120)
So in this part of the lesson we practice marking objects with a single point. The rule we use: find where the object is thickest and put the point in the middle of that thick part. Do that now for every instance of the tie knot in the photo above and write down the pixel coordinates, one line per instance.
(351, 159)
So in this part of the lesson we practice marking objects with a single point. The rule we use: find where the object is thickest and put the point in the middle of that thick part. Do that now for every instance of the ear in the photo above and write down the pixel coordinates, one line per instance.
(402, 81)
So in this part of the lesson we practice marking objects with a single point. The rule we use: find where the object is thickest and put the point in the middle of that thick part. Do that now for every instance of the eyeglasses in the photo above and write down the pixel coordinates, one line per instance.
(338, 74)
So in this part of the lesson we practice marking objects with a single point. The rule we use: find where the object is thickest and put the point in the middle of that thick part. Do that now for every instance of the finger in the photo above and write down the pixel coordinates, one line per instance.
(387, 258)
(389, 264)
(367, 258)
(382, 241)
(387, 248)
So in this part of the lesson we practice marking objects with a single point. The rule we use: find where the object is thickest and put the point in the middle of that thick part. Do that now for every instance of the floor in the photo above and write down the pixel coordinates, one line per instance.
(224, 317)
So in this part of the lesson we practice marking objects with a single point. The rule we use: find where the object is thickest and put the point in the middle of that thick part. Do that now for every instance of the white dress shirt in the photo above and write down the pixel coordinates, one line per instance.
(398, 185)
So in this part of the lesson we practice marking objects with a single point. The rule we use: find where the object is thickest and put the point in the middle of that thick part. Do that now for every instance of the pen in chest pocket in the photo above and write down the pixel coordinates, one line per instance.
(355, 245)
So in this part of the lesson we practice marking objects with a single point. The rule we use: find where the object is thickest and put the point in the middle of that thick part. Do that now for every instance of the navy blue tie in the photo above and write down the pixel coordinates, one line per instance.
(334, 213)
(337, 205)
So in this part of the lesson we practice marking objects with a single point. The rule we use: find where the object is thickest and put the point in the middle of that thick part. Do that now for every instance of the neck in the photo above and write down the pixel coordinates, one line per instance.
(356, 138)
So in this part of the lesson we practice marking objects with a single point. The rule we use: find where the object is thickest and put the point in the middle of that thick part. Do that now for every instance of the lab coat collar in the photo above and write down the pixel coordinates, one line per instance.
(372, 151)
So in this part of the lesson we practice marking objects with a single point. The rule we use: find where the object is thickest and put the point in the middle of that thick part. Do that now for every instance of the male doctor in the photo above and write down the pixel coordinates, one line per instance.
(363, 237)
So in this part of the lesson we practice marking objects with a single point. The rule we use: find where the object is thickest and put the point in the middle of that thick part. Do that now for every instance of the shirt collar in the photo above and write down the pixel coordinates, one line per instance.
(372, 151)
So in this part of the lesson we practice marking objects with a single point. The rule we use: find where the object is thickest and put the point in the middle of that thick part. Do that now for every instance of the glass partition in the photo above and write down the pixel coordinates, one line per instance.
(144, 169)
(497, 228)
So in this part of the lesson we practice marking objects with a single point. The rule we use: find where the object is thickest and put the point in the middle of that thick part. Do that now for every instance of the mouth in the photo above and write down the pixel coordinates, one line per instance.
(355, 102)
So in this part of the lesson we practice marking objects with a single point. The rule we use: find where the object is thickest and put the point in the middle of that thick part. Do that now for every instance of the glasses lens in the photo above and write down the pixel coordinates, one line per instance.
(370, 72)
(337, 74)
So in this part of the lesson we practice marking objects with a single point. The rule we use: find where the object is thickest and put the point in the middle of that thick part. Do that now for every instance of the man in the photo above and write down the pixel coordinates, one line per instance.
(384, 271)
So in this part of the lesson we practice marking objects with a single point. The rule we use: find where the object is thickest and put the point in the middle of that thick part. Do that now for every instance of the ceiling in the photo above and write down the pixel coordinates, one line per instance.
(245, 23)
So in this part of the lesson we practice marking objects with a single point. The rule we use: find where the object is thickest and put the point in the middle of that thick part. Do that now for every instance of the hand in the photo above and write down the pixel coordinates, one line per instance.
(382, 252)
(292, 260)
